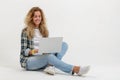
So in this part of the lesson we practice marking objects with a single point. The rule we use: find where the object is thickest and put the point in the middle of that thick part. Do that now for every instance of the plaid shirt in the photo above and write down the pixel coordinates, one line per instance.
(26, 45)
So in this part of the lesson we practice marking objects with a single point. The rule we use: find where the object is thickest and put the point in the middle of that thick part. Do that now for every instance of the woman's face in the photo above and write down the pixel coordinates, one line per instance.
(37, 18)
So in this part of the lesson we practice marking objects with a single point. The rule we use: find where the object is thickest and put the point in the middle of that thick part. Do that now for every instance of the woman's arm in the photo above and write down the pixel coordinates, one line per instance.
(24, 44)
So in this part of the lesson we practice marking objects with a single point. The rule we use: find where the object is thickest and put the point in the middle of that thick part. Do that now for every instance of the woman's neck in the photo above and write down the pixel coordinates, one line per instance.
(36, 27)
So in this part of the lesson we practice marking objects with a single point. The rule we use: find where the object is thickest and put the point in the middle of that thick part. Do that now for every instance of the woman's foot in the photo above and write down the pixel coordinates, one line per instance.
(50, 70)
(83, 70)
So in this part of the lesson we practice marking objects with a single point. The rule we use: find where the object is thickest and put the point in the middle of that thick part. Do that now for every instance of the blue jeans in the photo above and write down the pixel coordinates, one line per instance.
(37, 62)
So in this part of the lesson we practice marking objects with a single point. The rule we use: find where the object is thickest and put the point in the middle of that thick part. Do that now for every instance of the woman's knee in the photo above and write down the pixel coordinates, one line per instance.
(65, 45)
(50, 56)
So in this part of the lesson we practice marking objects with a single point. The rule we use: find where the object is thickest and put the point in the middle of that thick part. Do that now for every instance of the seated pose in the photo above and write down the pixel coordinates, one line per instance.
(35, 29)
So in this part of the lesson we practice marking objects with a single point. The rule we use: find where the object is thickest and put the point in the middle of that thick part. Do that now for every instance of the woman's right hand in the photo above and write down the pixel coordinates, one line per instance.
(34, 51)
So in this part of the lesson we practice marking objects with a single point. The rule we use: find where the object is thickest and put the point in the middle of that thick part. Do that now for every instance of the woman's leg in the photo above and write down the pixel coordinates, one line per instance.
(36, 62)
(63, 50)
(53, 60)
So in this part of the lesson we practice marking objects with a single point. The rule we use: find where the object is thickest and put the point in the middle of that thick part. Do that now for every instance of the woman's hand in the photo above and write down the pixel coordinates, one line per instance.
(34, 51)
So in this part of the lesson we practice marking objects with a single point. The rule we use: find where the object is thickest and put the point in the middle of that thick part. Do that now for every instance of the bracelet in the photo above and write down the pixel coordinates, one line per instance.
(33, 51)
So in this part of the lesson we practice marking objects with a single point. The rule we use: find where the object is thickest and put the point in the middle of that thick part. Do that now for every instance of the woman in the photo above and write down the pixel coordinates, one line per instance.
(35, 29)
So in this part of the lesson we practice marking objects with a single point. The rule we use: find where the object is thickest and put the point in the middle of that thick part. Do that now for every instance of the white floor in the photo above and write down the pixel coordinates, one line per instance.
(96, 73)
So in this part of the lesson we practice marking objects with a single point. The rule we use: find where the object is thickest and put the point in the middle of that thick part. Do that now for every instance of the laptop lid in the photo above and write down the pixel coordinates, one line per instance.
(50, 45)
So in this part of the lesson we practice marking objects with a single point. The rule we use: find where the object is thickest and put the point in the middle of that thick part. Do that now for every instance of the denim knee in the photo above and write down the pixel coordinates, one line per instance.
(65, 45)
(50, 56)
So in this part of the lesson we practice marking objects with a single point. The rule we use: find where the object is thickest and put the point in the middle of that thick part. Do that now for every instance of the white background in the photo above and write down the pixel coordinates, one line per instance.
(90, 27)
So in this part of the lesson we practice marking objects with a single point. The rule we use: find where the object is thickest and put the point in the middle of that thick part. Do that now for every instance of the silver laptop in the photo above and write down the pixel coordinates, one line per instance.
(50, 45)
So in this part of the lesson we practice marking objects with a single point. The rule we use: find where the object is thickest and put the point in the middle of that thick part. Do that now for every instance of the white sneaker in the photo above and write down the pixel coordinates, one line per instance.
(83, 70)
(50, 70)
